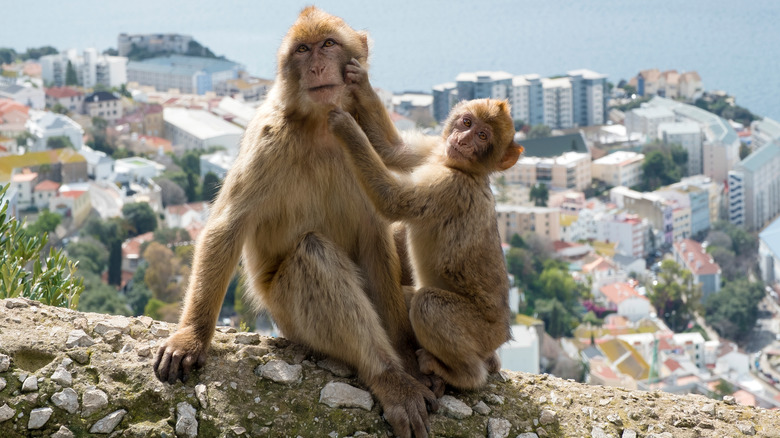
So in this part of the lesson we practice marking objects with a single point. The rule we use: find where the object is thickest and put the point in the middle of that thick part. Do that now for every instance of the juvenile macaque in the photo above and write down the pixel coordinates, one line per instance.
(460, 311)
(316, 253)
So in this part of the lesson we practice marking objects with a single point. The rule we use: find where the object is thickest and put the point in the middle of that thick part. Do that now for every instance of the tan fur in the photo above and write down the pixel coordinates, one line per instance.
(460, 312)
(315, 251)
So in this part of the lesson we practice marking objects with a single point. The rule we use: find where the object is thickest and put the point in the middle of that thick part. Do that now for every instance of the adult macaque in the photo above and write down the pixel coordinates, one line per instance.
(315, 251)
(460, 311)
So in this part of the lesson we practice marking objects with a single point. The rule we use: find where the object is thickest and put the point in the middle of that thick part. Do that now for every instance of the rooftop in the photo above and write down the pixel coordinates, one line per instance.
(199, 123)
(695, 257)
(47, 185)
(483, 76)
(182, 65)
(619, 292)
(714, 127)
(620, 158)
(554, 146)
(100, 96)
(10, 162)
(61, 92)
(761, 156)
(679, 128)
(771, 237)
(586, 74)
(767, 127)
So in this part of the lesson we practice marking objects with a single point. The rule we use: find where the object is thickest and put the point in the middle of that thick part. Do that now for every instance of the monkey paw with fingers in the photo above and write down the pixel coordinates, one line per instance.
(405, 403)
(179, 355)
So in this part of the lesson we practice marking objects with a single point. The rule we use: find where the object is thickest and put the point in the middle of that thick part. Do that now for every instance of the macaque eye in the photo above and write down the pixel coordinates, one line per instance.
(328, 43)
(302, 48)
(482, 136)
(467, 121)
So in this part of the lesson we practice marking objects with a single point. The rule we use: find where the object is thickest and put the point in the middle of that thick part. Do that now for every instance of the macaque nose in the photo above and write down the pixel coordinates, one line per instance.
(317, 69)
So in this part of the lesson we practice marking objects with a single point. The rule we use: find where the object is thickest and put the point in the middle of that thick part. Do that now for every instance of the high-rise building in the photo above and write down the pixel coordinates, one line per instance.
(589, 97)
(91, 68)
(754, 188)
(188, 74)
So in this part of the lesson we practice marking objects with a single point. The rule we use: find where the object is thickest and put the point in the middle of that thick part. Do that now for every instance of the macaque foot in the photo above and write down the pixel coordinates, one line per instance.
(405, 403)
(179, 355)
(493, 363)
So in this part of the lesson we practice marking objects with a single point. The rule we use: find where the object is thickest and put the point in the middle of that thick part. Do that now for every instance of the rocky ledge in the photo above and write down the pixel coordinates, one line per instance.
(66, 374)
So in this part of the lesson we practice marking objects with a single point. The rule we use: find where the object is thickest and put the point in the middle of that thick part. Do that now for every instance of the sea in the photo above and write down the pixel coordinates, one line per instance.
(733, 45)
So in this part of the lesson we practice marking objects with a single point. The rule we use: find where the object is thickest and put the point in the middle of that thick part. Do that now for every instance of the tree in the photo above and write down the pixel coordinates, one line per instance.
(539, 194)
(744, 151)
(519, 124)
(139, 295)
(140, 217)
(101, 298)
(733, 310)
(59, 142)
(160, 271)
(91, 254)
(629, 90)
(211, 185)
(516, 241)
(26, 272)
(658, 170)
(7, 56)
(59, 109)
(70, 75)
(111, 233)
(503, 195)
(558, 320)
(171, 193)
(170, 236)
(539, 131)
(674, 296)
(46, 223)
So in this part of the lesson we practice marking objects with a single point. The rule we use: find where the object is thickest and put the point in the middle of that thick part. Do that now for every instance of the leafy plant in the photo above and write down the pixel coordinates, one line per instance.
(24, 273)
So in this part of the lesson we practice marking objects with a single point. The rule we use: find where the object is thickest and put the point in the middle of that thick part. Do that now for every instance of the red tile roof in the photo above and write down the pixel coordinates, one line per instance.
(60, 92)
(619, 292)
(672, 364)
(695, 258)
(75, 194)
(47, 185)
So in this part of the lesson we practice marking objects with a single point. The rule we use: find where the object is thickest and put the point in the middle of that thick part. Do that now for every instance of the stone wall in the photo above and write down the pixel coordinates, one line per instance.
(65, 373)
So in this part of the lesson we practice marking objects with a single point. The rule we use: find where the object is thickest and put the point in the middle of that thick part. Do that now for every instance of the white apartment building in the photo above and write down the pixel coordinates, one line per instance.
(26, 94)
(520, 99)
(588, 93)
(769, 253)
(571, 170)
(645, 121)
(764, 131)
(199, 130)
(689, 136)
(514, 219)
(720, 146)
(628, 230)
(558, 103)
(45, 124)
(91, 68)
(621, 168)
(754, 188)
(713, 191)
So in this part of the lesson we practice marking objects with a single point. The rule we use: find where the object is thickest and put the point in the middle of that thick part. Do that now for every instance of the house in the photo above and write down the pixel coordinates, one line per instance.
(692, 256)
(99, 165)
(189, 74)
(62, 165)
(104, 105)
(191, 217)
(246, 89)
(131, 251)
(13, 117)
(44, 125)
(647, 82)
(199, 130)
(44, 191)
(624, 299)
(620, 168)
(24, 182)
(134, 169)
(70, 98)
(513, 219)
(603, 271)
(691, 87)
(27, 94)
(217, 163)
(73, 200)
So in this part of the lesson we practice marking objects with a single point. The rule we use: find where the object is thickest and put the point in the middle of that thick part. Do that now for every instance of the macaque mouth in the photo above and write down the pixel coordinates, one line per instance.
(324, 87)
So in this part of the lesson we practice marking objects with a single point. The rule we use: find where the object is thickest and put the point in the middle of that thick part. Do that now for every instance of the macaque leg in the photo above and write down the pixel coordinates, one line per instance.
(493, 363)
(456, 343)
(402, 248)
(317, 299)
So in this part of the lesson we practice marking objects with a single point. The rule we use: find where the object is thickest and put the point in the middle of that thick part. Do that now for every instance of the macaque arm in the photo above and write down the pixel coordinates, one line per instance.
(394, 198)
(375, 121)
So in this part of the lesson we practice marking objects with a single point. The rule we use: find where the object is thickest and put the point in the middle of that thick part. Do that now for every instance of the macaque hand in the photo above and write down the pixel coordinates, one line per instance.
(405, 403)
(356, 77)
(177, 357)
(342, 124)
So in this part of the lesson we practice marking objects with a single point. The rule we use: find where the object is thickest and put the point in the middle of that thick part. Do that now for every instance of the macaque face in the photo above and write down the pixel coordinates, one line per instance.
(469, 140)
(321, 68)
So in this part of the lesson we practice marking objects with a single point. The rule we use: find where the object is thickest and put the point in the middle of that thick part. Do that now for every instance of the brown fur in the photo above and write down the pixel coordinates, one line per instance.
(460, 312)
(315, 251)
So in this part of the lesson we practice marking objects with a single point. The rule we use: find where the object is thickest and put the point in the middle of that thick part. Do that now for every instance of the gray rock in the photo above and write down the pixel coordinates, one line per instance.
(66, 399)
(745, 428)
(160, 330)
(5, 363)
(629, 433)
(186, 423)
(709, 409)
(481, 408)
(6, 413)
(200, 393)
(92, 401)
(108, 423)
(494, 399)
(62, 377)
(548, 417)
(337, 367)
(281, 372)
(2, 383)
(729, 400)
(498, 428)
(64, 432)
(454, 408)
(30, 384)
(39, 417)
(248, 338)
(528, 435)
(119, 323)
(342, 395)
(615, 419)
(598, 432)
(78, 338)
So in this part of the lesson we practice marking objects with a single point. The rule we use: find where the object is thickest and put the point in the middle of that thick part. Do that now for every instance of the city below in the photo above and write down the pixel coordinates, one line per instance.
(641, 226)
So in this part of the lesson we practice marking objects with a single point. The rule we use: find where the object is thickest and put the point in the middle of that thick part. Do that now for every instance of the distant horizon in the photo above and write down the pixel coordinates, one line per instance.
(416, 45)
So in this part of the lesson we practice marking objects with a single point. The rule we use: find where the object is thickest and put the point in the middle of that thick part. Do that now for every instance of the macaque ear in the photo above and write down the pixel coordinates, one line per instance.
(510, 157)
(364, 42)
